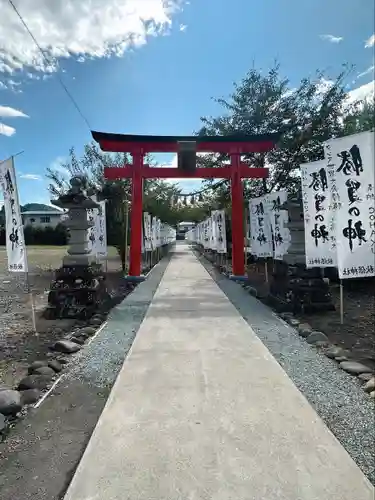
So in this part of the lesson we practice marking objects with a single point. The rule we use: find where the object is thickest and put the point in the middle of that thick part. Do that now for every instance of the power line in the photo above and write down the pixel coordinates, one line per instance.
(48, 63)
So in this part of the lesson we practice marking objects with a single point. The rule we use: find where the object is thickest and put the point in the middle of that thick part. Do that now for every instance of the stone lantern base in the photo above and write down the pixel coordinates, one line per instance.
(77, 292)
(296, 289)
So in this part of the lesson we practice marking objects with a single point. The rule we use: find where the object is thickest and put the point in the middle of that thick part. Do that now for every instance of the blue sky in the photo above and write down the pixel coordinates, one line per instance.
(185, 54)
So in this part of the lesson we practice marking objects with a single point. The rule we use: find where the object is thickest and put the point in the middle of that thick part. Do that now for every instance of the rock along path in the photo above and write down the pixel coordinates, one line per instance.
(202, 411)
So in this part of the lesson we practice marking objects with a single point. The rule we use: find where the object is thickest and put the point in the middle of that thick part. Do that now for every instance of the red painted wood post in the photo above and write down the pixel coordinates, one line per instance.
(238, 257)
(136, 217)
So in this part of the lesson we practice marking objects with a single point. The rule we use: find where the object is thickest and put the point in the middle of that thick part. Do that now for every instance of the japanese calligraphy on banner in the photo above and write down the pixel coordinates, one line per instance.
(153, 233)
(219, 231)
(101, 231)
(320, 230)
(278, 219)
(147, 225)
(260, 227)
(97, 232)
(92, 214)
(351, 160)
(206, 234)
(15, 241)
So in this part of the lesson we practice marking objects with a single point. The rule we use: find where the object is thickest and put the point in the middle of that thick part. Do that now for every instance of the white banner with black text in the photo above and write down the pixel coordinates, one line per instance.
(319, 218)
(260, 227)
(351, 160)
(15, 240)
(279, 219)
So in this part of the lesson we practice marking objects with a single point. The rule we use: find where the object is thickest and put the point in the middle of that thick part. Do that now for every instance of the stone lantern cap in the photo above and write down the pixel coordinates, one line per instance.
(76, 197)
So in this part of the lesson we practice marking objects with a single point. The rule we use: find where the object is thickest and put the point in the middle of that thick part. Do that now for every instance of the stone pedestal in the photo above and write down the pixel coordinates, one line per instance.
(295, 288)
(79, 289)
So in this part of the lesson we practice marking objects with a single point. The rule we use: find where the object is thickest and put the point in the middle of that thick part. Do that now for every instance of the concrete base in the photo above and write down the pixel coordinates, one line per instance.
(201, 410)
(238, 278)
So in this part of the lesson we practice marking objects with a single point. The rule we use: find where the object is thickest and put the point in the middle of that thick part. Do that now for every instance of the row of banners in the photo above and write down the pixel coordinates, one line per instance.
(338, 207)
(156, 234)
(210, 233)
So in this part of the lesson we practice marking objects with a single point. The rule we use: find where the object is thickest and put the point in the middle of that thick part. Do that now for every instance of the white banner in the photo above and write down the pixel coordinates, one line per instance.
(214, 235)
(147, 223)
(351, 160)
(278, 219)
(260, 227)
(220, 230)
(15, 241)
(158, 232)
(320, 231)
(92, 214)
(153, 233)
(206, 236)
(101, 231)
(214, 226)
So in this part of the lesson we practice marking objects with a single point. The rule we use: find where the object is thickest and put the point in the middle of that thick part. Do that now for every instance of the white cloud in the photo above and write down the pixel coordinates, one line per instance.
(323, 85)
(368, 71)
(57, 165)
(364, 92)
(6, 111)
(332, 38)
(6, 130)
(370, 42)
(31, 177)
(183, 27)
(84, 29)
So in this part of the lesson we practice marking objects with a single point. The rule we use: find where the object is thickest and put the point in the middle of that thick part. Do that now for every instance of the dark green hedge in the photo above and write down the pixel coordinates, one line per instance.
(39, 236)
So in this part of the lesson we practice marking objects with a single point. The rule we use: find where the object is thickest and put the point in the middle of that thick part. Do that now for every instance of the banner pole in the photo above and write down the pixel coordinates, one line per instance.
(32, 303)
(266, 270)
(341, 303)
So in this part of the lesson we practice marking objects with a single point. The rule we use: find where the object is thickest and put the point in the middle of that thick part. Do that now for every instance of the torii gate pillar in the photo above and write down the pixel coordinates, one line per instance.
(138, 146)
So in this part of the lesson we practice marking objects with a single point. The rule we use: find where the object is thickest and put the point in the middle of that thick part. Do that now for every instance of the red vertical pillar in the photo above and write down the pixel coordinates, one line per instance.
(238, 257)
(136, 217)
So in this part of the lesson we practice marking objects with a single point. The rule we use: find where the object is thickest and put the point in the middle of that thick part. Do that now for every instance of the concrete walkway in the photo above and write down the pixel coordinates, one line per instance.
(202, 411)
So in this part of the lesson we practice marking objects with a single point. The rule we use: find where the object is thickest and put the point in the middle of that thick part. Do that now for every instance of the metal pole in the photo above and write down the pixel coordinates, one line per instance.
(31, 298)
(266, 270)
(341, 303)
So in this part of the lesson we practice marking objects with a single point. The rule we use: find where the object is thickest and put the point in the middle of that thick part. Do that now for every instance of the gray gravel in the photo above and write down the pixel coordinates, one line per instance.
(336, 396)
(99, 363)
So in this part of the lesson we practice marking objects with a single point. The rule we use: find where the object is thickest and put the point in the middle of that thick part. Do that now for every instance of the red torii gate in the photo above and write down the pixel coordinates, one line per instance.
(139, 145)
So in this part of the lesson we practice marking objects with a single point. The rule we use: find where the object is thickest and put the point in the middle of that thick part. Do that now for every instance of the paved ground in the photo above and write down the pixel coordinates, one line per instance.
(38, 459)
(202, 410)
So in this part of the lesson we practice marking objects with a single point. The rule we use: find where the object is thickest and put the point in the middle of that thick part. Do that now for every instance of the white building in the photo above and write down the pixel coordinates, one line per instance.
(182, 229)
(42, 218)
(186, 226)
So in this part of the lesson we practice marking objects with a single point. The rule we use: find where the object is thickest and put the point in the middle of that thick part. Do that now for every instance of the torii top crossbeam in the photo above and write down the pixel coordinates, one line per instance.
(231, 144)
(139, 145)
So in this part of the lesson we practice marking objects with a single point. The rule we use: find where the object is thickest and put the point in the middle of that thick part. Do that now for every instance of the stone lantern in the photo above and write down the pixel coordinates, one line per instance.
(294, 287)
(79, 288)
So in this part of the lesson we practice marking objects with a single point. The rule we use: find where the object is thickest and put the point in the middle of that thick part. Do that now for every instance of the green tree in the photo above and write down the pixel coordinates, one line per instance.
(158, 195)
(266, 102)
(360, 117)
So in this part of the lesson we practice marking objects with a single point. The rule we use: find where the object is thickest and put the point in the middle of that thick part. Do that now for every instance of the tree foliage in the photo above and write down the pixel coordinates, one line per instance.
(307, 115)
(157, 194)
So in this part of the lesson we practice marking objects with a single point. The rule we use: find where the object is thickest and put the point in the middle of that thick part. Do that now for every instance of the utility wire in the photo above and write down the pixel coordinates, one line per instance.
(74, 102)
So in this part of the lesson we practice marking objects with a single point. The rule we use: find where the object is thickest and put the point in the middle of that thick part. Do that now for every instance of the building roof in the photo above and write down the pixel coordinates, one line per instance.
(42, 212)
